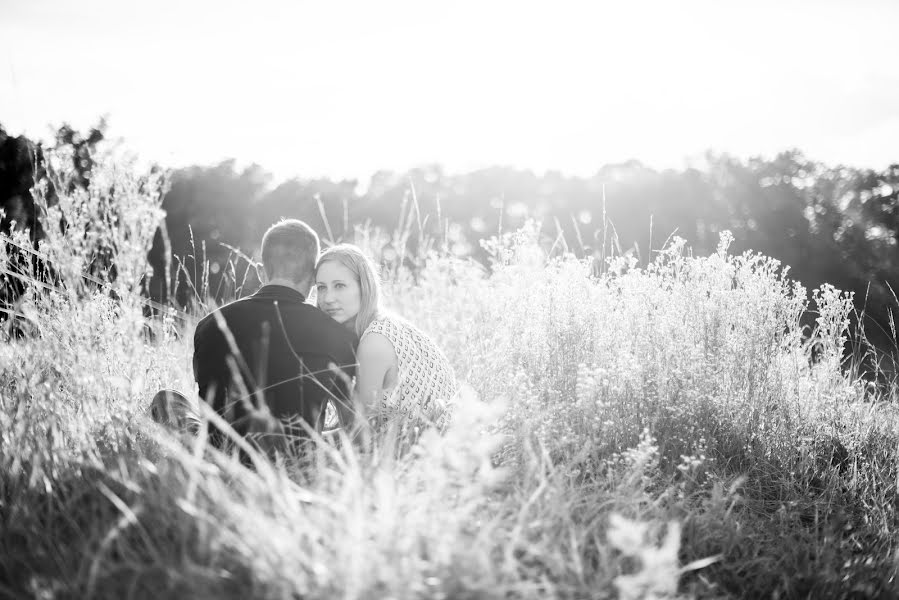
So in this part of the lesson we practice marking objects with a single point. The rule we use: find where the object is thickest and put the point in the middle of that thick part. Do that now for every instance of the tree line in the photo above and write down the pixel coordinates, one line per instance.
(831, 224)
(838, 225)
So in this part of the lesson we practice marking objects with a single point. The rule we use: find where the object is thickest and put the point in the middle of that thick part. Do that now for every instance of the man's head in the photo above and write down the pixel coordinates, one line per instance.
(289, 250)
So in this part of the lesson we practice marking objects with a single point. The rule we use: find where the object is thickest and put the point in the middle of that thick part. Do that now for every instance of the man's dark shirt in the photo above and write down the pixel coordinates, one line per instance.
(285, 347)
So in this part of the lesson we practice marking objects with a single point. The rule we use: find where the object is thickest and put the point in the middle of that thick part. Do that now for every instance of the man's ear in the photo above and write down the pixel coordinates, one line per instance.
(260, 273)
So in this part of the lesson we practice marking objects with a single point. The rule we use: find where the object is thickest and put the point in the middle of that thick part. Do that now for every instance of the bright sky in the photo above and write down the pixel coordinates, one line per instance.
(340, 88)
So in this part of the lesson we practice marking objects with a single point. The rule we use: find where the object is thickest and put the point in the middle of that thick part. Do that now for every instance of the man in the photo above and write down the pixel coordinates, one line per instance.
(272, 352)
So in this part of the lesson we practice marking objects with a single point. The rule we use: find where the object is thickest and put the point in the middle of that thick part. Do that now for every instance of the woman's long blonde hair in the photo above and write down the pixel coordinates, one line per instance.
(366, 273)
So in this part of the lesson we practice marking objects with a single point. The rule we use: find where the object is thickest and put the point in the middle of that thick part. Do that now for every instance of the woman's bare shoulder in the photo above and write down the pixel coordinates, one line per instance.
(375, 344)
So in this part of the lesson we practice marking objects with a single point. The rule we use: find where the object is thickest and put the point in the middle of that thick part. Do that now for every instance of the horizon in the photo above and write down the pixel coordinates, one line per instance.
(346, 90)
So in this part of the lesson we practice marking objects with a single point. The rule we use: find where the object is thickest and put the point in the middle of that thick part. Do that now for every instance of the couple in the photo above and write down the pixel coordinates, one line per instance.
(275, 354)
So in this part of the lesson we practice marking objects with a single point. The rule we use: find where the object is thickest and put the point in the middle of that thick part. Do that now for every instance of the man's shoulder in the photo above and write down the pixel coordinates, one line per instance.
(299, 317)
(227, 311)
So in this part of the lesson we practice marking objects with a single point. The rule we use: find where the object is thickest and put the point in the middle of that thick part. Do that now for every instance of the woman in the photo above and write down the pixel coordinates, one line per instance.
(401, 373)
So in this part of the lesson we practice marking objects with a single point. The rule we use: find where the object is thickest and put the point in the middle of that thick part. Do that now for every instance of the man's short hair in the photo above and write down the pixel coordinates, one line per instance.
(289, 250)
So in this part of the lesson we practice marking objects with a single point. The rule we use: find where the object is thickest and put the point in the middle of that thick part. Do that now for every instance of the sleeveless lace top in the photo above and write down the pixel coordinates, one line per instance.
(425, 379)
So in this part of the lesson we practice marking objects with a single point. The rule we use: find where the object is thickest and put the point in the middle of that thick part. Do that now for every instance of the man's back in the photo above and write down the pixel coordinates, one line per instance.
(284, 348)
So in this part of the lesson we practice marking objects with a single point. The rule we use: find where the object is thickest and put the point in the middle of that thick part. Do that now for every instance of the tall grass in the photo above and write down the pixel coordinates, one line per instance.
(660, 431)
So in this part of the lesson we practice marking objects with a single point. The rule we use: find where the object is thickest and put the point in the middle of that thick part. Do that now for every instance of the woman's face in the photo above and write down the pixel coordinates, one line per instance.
(339, 293)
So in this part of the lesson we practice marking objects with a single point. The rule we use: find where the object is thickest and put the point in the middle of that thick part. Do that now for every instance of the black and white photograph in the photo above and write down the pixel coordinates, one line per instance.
(407, 299)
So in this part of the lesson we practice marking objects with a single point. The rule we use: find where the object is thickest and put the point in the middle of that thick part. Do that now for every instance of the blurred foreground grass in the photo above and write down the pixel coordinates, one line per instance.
(657, 432)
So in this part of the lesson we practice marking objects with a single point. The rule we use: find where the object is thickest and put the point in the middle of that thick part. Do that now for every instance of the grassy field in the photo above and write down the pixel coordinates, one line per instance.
(663, 431)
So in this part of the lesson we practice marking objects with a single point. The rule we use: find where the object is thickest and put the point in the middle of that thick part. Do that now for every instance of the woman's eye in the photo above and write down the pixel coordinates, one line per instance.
(339, 286)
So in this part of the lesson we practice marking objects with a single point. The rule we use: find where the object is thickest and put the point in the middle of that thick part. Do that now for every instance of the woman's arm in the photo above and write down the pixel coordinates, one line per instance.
(376, 356)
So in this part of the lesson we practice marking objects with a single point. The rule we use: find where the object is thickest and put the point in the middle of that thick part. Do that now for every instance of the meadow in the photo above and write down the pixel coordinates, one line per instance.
(665, 430)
